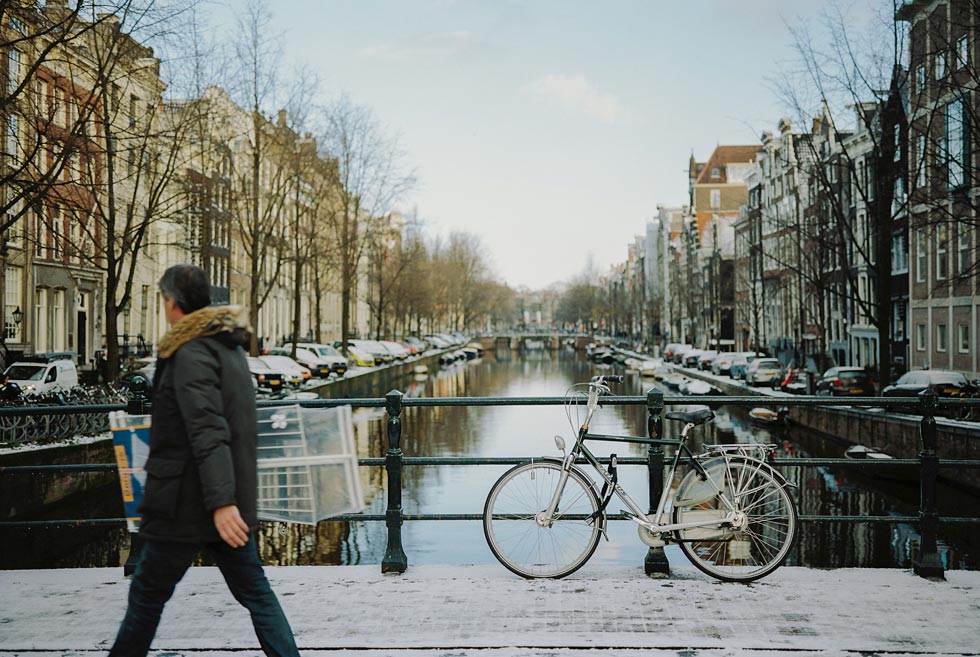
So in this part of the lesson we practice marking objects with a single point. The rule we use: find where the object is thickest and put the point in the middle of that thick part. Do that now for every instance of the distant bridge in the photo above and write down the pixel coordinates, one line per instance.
(520, 341)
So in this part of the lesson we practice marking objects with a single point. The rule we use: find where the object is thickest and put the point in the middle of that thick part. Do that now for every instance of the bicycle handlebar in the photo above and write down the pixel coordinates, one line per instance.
(609, 378)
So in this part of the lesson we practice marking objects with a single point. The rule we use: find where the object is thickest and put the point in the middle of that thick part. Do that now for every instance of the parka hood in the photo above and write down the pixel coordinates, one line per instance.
(205, 322)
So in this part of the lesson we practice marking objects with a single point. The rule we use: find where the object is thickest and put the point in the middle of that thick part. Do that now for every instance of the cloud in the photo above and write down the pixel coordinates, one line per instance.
(576, 93)
(436, 44)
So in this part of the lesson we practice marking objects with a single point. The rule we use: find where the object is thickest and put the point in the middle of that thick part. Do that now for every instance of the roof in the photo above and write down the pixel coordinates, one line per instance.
(723, 156)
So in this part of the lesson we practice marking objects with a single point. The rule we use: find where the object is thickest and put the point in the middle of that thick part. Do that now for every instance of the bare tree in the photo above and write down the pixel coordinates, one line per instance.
(855, 76)
(371, 180)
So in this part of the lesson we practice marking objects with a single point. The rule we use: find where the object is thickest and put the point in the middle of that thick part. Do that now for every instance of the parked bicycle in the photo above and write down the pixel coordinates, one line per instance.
(731, 515)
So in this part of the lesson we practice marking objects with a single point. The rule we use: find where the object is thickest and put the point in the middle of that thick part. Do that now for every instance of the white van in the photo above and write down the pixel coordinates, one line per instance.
(43, 374)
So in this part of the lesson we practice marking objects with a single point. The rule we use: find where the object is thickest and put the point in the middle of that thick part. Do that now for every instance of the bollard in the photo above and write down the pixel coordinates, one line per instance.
(394, 560)
(928, 563)
(139, 403)
(655, 563)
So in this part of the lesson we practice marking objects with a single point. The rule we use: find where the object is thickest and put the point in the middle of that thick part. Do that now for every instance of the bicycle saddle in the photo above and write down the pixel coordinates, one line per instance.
(693, 417)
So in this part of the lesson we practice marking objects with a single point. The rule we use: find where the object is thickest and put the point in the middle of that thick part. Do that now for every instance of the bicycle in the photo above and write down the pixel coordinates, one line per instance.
(731, 514)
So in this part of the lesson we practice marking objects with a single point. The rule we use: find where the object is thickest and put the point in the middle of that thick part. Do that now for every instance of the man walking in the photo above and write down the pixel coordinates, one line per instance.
(201, 481)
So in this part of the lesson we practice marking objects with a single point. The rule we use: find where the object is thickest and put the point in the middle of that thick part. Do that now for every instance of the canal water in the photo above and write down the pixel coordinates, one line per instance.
(528, 431)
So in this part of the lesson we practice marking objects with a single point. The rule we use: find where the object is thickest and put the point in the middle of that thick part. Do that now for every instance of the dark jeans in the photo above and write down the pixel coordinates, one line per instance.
(161, 565)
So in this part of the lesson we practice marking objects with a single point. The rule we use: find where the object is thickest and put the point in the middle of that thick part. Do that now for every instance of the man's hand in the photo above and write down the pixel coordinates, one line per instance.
(232, 529)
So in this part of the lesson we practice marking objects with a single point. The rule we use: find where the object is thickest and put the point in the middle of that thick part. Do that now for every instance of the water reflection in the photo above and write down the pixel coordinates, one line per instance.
(528, 431)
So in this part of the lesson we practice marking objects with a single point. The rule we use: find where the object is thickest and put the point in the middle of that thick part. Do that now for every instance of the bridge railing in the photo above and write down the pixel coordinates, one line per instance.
(928, 463)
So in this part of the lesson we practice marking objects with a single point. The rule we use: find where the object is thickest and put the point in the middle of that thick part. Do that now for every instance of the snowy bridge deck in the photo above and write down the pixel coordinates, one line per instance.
(484, 610)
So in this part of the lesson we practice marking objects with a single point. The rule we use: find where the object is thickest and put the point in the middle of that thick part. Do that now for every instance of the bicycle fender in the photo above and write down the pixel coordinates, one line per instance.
(692, 477)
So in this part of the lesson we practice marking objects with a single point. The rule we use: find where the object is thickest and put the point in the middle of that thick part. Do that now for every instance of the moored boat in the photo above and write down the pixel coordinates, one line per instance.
(769, 417)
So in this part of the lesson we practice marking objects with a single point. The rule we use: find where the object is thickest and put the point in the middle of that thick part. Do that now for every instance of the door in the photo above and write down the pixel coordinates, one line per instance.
(82, 341)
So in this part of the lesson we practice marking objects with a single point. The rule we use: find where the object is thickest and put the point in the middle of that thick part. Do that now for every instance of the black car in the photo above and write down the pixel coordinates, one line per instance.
(945, 383)
(843, 381)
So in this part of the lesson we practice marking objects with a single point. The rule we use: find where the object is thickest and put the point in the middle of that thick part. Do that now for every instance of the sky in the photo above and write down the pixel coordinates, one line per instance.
(551, 129)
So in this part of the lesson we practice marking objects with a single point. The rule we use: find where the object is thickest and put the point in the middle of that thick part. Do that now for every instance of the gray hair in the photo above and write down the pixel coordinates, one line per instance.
(187, 286)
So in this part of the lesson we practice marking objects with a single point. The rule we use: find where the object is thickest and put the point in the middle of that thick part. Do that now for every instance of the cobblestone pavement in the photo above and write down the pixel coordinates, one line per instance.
(468, 611)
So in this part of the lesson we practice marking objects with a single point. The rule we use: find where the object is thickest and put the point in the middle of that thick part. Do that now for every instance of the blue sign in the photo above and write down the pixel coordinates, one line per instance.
(131, 443)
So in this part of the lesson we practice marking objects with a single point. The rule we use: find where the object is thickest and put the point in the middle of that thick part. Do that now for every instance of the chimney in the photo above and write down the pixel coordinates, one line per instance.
(281, 119)
(817, 124)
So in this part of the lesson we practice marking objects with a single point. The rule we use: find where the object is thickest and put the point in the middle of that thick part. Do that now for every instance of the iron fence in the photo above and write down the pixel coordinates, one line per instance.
(928, 518)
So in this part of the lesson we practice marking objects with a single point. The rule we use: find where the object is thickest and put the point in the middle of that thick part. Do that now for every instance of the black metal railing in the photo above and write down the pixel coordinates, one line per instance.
(928, 518)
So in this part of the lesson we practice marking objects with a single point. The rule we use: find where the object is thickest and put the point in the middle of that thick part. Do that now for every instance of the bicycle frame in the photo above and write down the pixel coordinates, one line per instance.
(654, 523)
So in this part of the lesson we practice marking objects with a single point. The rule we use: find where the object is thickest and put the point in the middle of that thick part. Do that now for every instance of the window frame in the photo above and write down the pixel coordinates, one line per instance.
(920, 337)
(942, 343)
(963, 345)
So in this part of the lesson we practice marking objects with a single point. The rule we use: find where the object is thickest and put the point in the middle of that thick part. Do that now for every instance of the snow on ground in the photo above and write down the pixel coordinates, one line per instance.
(460, 610)
(76, 440)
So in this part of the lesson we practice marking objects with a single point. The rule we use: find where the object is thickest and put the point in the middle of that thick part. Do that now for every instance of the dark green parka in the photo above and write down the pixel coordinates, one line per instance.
(203, 437)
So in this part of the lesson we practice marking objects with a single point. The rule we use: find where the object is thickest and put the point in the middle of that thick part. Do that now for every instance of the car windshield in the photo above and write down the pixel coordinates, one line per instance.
(25, 372)
(767, 363)
(255, 364)
(326, 350)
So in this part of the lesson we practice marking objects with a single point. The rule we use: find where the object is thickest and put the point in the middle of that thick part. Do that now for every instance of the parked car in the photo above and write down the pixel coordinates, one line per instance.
(722, 363)
(690, 358)
(268, 379)
(418, 343)
(376, 349)
(307, 358)
(842, 381)
(680, 353)
(741, 362)
(398, 351)
(293, 373)
(945, 383)
(360, 357)
(43, 373)
(438, 341)
(326, 352)
(704, 360)
(670, 349)
(763, 371)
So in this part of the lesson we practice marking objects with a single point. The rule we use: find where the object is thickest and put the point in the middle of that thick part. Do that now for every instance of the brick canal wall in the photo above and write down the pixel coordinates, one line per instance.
(894, 434)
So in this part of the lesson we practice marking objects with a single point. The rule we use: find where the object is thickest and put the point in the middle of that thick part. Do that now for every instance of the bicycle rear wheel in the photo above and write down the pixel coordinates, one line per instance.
(763, 534)
(527, 547)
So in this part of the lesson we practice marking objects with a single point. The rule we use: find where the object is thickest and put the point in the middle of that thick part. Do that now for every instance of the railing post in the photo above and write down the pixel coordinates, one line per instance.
(928, 563)
(655, 563)
(394, 560)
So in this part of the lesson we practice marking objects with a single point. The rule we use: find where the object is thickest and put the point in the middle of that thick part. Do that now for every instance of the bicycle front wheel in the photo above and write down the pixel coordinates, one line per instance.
(514, 526)
(764, 531)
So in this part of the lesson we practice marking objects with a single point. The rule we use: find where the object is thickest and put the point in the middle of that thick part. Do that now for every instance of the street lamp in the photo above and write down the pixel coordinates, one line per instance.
(18, 315)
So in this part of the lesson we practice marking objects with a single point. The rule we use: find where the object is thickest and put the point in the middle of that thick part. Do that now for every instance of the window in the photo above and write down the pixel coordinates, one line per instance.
(940, 337)
(920, 78)
(963, 247)
(144, 310)
(900, 263)
(133, 104)
(955, 143)
(940, 65)
(921, 255)
(922, 163)
(13, 70)
(715, 198)
(715, 173)
(40, 319)
(18, 25)
(899, 320)
(920, 337)
(942, 237)
(963, 51)
(13, 281)
(13, 132)
(963, 338)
